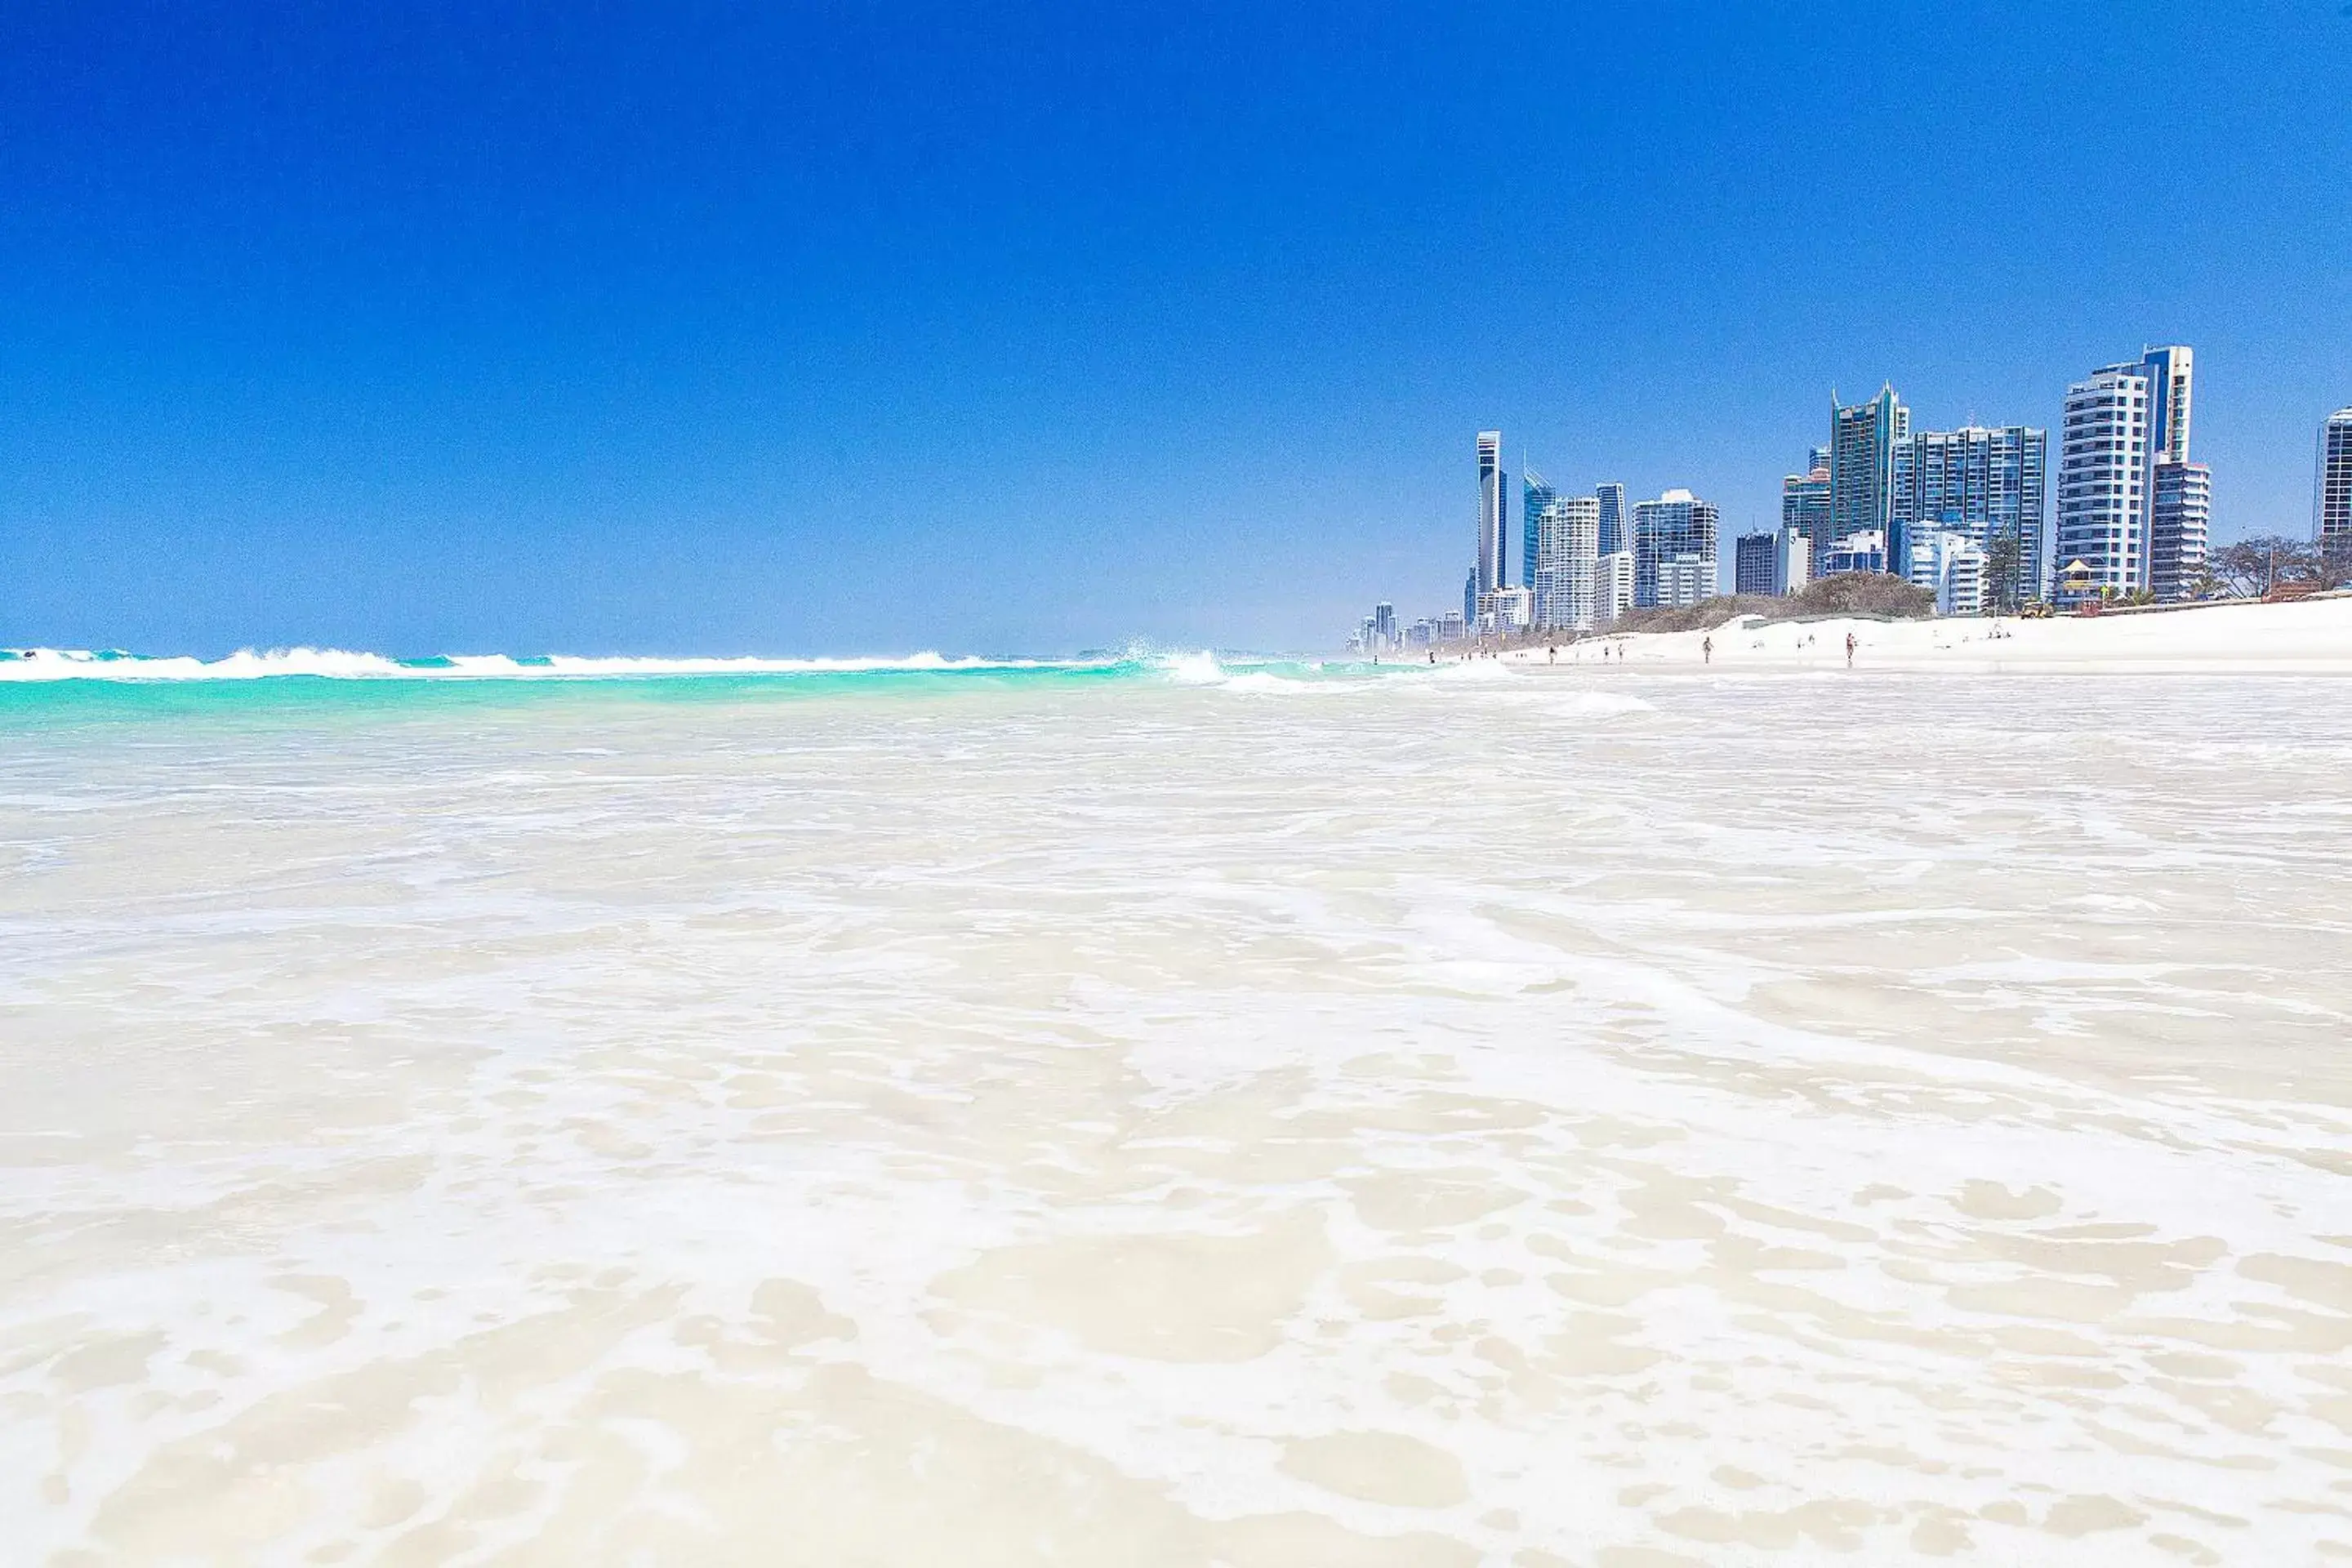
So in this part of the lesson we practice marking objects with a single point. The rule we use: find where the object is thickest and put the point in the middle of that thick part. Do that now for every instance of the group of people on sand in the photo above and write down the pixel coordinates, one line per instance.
(1551, 652)
(1706, 650)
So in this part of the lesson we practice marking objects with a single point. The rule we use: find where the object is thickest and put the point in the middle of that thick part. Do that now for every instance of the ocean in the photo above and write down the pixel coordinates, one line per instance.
(1162, 1111)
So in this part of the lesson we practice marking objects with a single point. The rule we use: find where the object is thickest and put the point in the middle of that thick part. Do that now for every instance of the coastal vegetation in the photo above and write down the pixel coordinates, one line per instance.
(1845, 594)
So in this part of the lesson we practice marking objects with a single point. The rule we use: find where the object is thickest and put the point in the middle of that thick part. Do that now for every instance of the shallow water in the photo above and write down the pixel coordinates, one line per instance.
(1143, 1118)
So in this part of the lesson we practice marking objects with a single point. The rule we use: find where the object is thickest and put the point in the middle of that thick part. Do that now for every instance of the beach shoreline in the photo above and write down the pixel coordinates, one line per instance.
(2310, 637)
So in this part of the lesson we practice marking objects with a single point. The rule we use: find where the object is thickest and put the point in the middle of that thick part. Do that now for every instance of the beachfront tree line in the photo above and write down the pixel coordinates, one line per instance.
(2252, 568)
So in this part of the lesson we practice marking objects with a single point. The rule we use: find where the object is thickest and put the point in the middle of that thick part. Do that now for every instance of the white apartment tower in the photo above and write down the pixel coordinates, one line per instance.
(1567, 555)
(2103, 479)
(1612, 587)
(2120, 423)
(1491, 564)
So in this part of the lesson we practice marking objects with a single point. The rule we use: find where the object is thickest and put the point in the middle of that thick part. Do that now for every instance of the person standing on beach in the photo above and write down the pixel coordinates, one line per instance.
(1707, 650)
(1850, 645)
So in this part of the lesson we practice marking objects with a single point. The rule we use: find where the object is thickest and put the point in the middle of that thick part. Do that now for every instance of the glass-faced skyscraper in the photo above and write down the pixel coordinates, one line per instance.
(1676, 528)
(1987, 484)
(1534, 496)
(1614, 534)
(1491, 566)
(1862, 465)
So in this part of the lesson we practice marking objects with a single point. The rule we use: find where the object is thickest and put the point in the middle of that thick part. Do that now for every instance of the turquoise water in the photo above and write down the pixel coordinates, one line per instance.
(111, 687)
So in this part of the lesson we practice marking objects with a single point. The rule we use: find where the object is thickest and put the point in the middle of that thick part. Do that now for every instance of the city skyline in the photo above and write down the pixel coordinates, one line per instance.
(1964, 513)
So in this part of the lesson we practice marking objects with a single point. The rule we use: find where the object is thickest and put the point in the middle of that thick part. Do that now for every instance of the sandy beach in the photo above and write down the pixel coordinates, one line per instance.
(2313, 636)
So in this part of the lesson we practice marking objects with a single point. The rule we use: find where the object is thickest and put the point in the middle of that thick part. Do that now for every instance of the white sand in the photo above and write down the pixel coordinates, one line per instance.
(2313, 637)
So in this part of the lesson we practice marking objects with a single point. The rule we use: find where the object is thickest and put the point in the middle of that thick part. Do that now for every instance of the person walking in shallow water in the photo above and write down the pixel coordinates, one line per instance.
(1849, 650)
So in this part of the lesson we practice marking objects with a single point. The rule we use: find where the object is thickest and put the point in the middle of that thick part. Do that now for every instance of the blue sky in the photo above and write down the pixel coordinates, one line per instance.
(855, 326)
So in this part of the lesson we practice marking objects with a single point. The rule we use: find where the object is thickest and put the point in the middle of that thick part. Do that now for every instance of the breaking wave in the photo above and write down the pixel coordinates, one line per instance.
(339, 663)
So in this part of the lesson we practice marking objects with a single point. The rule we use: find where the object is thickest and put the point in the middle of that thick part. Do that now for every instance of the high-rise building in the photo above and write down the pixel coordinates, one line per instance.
(2331, 501)
(1534, 496)
(1493, 569)
(2169, 371)
(1987, 484)
(1612, 587)
(2103, 483)
(1792, 562)
(1470, 598)
(1568, 549)
(2180, 515)
(1861, 463)
(2125, 416)
(1676, 525)
(1751, 563)
(1614, 521)
(1384, 624)
(1805, 501)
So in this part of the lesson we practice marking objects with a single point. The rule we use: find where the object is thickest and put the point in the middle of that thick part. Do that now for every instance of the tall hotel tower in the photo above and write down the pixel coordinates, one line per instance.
(2103, 479)
(2332, 505)
(1861, 467)
(1491, 564)
(2121, 422)
(1615, 533)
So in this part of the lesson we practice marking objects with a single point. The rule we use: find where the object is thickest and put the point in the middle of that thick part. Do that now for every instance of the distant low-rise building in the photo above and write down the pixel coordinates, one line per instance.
(1953, 565)
(1686, 580)
(1505, 610)
(1862, 551)
(1452, 628)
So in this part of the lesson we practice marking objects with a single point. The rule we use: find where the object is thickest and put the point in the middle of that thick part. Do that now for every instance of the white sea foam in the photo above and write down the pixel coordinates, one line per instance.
(1671, 1121)
(1200, 669)
(50, 664)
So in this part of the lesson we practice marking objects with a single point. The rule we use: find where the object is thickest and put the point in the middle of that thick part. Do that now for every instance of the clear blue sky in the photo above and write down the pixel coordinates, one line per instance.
(843, 326)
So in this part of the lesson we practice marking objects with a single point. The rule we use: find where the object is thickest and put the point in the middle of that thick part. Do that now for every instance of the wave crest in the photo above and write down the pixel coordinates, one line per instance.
(340, 664)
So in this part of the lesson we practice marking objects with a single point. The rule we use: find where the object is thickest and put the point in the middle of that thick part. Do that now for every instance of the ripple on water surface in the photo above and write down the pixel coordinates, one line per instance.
(1512, 1118)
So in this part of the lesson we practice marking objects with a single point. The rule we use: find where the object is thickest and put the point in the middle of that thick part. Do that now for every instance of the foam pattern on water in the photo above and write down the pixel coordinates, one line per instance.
(1514, 1119)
